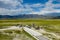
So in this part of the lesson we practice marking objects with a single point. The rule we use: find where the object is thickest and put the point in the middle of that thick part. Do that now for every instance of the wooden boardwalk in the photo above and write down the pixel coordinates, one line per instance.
(36, 35)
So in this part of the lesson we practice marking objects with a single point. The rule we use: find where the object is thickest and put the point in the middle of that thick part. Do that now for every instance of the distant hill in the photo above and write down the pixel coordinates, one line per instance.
(52, 14)
(21, 16)
(46, 16)
(58, 17)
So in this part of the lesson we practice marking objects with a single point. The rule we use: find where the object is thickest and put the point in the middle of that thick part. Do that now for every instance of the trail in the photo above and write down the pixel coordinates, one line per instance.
(11, 28)
(35, 34)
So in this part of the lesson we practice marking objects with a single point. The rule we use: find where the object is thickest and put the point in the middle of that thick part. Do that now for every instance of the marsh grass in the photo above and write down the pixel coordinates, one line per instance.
(51, 25)
(11, 34)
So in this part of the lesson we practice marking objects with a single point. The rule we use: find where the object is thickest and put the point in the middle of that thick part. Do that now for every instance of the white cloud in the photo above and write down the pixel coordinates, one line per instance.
(45, 12)
(29, 7)
(37, 5)
(12, 3)
(49, 8)
(4, 11)
(56, 5)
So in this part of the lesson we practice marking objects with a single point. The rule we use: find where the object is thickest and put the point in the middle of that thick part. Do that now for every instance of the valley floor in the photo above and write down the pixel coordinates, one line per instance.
(49, 28)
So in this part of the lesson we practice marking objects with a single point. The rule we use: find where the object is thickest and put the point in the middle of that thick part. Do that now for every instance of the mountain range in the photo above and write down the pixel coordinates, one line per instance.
(22, 16)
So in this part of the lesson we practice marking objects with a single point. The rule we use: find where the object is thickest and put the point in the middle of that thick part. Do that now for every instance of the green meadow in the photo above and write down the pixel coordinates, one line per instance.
(29, 21)
(50, 25)
(39, 22)
(53, 24)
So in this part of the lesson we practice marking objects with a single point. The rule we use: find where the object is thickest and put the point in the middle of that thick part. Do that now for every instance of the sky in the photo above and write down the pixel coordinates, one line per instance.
(17, 7)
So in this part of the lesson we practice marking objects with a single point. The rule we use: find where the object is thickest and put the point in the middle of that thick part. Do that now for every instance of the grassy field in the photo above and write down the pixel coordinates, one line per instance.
(29, 21)
(9, 35)
(50, 25)
(53, 24)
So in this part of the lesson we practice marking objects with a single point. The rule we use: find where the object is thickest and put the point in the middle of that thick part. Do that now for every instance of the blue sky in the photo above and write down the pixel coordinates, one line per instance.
(41, 7)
